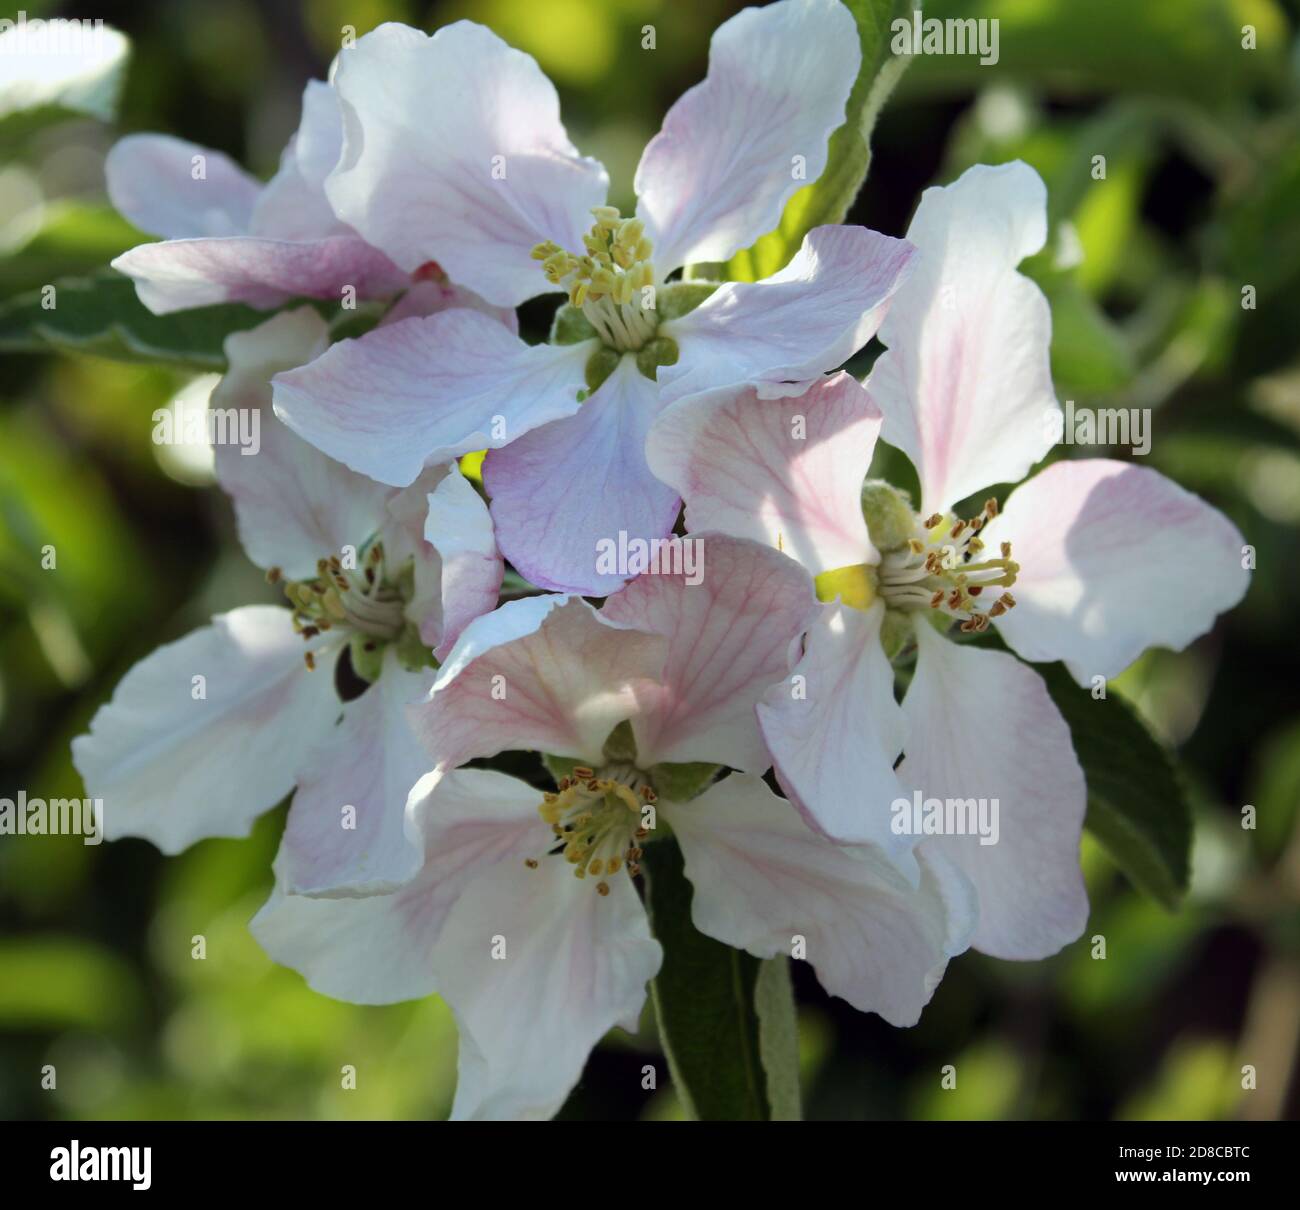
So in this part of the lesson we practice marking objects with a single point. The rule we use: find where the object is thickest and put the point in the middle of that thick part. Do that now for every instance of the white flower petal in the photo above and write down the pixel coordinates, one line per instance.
(174, 767)
(735, 147)
(966, 383)
(763, 880)
(1114, 558)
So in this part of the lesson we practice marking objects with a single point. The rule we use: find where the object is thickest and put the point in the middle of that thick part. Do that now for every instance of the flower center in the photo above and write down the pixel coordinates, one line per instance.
(938, 565)
(942, 566)
(599, 821)
(613, 282)
(358, 601)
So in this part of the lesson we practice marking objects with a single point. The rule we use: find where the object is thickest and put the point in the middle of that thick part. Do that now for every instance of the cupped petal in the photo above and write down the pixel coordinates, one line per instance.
(1114, 558)
(179, 190)
(966, 384)
(793, 326)
(443, 524)
(568, 497)
(346, 834)
(478, 185)
(763, 881)
(538, 967)
(835, 731)
(427, 390)
(208, 732)
(787, 472)
(547, 673)
(379, 949)
(730, 610)
(176, 275)
(293, 505)
(734, 148)
(985, 738)
(430, 294)
(293, 204)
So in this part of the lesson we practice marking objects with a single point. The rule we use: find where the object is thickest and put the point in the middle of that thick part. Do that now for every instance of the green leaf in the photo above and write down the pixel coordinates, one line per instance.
(102, 315)
(1137, 805)
(827, 199)
(726, 1018)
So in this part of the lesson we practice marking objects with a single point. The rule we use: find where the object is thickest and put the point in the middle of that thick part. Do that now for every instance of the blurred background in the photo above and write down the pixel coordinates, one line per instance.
(1145, 274)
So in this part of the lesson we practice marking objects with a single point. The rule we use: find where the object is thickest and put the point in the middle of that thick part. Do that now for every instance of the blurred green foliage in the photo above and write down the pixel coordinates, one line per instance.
(1145, 270)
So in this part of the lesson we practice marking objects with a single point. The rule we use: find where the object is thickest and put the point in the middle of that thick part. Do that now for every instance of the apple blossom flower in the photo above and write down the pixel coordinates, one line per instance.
(454, 152)
(1106, 558)
(227, 237)
(210, 731)
(525, 916)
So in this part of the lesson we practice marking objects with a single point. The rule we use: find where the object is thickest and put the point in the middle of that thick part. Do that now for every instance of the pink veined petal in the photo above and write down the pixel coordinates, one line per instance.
(735, 147)
(346, 833)
(458, 568)
(293, 505)
(835, 732)
(474, 188)
(152, 183)
(576, 964)
(966, 385)
(425, 391)
(1114, 558)
(787, 472)
(293, 204)
(563, 494)
(545, 673)
(379, 949)
(762, 877)
(176, 275)
(729, 617)
(793, 326)
(982, 726)
(206, 733)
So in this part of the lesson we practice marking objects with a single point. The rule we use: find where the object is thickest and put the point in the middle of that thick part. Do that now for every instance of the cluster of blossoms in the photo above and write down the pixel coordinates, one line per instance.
(433, 173)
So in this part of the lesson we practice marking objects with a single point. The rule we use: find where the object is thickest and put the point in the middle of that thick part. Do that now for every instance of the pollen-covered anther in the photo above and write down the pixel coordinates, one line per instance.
(942, 567)
(362, 601)
(607, 281)
(596, 821)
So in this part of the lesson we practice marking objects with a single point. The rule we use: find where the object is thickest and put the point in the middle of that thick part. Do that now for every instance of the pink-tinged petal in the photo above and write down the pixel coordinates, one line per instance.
(735, 147)
(1114, 558)
(575, 964)
(176, 275)
(346, 834)
(428, 296)
(425, 391)
(379, 949)
(562, 495)
(442, 522)
(835, 731)
(729, 616)
(293, 205)
(966, 383)
(982, 726)
(454, 152)
(293, 505)
(208, 732)
(763, 878)
(787, 472)
(152, 183)
(545, 673)
(793, 326)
